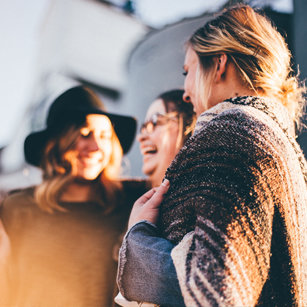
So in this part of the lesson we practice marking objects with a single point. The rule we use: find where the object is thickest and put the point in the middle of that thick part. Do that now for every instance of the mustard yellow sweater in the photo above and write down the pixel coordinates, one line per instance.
(64, 259)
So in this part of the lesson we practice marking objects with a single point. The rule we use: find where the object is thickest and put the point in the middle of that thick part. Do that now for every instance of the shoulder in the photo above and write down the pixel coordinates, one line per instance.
(229, 114)
(228, 133)
(236, 125)
(18, 198)
(22, 195)
(253, 115)
(18, 208)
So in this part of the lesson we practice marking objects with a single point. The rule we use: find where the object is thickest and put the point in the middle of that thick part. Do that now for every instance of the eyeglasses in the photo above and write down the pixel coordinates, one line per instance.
(157, 120)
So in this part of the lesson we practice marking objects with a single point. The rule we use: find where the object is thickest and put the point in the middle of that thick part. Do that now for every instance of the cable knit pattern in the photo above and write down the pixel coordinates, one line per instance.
(236, 208)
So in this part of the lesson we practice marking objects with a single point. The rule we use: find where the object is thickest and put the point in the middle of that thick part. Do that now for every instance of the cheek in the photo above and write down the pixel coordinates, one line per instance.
(168, 143)
(189, 83)
(186, 85)
(79, 144)
(106, 149)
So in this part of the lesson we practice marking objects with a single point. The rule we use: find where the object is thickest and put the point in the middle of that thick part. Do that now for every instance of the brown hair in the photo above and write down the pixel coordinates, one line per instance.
(57, 172)
(258, 51)
(173, 101)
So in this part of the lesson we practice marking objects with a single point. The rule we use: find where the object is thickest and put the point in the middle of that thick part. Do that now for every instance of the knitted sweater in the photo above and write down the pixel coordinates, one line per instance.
(236, 208)
(64, 259)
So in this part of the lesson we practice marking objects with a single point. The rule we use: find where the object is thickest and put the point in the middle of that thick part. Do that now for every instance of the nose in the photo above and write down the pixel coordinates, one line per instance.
(92, 144)
(142, 136)
(186, 97)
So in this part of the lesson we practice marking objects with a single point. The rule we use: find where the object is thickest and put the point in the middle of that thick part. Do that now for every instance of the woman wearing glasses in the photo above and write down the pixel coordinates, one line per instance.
(168, 124)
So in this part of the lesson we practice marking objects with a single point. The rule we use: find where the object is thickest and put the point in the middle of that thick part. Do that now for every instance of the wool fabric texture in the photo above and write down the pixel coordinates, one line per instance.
(236, 208)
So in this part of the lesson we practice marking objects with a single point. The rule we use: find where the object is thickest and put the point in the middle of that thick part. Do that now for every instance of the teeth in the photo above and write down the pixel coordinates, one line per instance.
(149, 150)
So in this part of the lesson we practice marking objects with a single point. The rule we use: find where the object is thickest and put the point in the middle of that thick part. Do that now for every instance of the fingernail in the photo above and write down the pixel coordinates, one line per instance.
(165, 182)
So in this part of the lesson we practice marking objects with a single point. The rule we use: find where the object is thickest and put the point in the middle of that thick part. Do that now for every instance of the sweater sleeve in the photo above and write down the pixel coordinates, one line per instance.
(224, 261)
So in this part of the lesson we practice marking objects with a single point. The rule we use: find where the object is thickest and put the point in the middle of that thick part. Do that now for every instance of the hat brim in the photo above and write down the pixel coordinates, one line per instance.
(124, 127)
(34, 145)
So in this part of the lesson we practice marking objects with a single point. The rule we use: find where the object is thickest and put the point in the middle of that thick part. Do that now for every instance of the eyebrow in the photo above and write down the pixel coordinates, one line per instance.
(153, 115)
(157, 113)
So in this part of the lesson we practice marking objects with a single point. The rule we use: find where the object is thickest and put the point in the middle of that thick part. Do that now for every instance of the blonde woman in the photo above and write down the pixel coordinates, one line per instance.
(232, 225)
(64, 233)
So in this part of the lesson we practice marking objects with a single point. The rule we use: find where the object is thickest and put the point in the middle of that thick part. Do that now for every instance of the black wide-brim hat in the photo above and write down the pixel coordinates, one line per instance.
(71, 108)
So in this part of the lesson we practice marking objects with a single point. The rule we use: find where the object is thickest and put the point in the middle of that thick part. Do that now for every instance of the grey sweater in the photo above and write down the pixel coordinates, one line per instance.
(236, 208)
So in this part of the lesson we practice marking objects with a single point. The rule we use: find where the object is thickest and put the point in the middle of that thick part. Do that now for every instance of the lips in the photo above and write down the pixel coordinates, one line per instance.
(87, 160)
(149, 150)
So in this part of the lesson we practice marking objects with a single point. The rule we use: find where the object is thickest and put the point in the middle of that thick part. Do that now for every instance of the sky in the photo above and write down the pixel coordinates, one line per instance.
(158, 13)
(20, 23)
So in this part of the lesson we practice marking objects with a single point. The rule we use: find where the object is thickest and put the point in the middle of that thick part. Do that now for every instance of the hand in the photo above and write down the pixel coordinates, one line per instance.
(147, 206)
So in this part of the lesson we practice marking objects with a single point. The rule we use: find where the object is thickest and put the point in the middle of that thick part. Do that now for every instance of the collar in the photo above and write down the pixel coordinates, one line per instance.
(273, 109)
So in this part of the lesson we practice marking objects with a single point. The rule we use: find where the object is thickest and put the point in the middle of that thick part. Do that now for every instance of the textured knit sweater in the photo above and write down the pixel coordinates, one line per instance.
(64, 259)
(236, 208)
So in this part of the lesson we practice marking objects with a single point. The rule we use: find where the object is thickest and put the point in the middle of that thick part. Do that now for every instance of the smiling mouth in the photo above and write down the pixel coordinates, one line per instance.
(149, 151)
(90, 161)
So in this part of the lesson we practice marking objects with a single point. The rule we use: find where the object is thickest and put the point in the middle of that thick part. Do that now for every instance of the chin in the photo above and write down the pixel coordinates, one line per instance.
(89, 176)
(85, 179)
(148, 171)
(91, 173)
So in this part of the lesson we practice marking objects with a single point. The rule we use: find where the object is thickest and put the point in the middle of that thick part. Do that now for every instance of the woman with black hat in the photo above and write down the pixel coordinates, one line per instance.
(64, 232)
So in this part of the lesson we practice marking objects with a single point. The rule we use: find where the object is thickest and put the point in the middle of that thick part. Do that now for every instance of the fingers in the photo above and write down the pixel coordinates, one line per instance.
(161, 190)
(147, 206)
(157, 197)
(145, 197)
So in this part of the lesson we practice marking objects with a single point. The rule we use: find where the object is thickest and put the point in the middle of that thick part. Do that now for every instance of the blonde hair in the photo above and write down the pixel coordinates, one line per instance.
(258, 51)
(57, 173)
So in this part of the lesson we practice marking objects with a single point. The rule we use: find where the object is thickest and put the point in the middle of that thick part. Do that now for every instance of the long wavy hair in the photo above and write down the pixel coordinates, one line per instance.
(57, 173)
(258, 51)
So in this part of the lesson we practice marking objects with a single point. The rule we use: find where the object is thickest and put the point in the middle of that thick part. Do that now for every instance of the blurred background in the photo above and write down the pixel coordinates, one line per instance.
(127, 51)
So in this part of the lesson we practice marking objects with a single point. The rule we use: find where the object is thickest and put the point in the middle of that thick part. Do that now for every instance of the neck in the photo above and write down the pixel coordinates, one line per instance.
(231, 93)
(77, 192)
(155, 181)
(228, 86)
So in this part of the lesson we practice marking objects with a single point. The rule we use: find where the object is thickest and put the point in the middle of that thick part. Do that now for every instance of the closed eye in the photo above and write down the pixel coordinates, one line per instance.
(85, 132)
(105, 135)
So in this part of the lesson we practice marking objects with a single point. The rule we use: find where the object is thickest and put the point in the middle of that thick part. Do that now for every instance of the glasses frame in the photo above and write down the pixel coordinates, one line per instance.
(158, 119)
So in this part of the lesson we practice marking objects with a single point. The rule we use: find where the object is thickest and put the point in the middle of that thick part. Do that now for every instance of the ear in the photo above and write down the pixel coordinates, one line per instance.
(221, 67)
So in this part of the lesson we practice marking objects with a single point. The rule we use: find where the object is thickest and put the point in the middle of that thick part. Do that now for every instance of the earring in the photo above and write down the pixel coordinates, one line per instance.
(218, 64)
